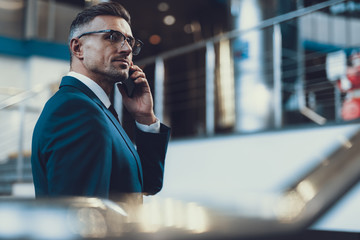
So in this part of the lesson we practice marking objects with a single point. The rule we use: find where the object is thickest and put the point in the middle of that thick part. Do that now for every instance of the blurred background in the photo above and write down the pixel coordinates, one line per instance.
(257, 92)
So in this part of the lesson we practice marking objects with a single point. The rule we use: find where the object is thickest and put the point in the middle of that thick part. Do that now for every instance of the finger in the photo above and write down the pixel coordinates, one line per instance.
(135, 68)
(142, 84)
(140, 80)
(137, 73)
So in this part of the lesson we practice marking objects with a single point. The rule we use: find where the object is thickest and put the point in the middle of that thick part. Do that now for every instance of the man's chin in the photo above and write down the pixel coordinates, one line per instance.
(118, 76)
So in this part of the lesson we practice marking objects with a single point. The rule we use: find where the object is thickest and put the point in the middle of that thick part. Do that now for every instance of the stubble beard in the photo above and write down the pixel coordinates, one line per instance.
(114, 75)
(117, 75)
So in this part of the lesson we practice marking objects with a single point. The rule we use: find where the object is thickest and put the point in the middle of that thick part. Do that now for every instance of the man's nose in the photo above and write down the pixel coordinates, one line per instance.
(125, 47)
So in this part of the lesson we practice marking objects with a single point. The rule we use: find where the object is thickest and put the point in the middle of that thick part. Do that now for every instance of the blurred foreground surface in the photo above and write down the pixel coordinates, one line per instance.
(93, 218)
(286, 214)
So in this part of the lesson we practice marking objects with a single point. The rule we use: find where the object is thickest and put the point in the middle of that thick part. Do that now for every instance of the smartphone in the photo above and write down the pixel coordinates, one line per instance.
(129, 87)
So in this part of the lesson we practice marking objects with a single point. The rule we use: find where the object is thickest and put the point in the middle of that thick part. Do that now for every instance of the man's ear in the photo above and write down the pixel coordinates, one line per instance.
(76, 48)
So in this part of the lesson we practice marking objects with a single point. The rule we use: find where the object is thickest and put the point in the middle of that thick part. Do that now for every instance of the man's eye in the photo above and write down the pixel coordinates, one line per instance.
(131, 41)
(115, 37)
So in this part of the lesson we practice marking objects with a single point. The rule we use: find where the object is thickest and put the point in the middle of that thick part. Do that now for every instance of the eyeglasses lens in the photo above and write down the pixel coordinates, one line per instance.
(118, 37)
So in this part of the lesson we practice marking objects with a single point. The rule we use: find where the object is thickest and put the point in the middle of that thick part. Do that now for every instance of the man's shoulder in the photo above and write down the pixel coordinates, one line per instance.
(68, 100)
(70, 95)
(69, 108)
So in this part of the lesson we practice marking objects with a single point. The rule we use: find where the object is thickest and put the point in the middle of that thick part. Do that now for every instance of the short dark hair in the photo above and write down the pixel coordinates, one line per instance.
(102, 9)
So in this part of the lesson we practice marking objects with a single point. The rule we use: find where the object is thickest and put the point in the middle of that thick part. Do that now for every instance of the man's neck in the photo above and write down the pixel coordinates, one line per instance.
(101, 81)
(104, 84)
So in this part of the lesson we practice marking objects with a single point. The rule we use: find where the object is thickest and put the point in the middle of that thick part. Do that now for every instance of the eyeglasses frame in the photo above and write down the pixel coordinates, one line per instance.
(137, 44)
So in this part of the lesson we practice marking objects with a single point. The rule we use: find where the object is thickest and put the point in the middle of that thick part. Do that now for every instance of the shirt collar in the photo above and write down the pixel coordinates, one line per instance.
(94, 87)
(117, 99)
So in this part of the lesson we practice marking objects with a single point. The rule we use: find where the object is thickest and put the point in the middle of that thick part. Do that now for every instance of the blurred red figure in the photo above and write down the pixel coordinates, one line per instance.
(351, 86)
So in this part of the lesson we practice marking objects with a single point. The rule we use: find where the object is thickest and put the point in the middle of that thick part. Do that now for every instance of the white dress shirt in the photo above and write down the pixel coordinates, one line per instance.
(100, 93)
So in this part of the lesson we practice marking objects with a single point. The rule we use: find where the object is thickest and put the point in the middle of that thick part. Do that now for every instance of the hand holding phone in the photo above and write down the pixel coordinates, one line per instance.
(139, 101)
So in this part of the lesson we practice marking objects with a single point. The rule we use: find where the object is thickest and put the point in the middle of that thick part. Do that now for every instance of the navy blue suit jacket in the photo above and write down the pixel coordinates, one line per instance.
(80, 149)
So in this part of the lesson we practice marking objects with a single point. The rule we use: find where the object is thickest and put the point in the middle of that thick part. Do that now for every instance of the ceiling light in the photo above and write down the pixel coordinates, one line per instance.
(163, 7)
(192, 27)
(155, 39)
(169, 20)
(13, 5)
(188, 29)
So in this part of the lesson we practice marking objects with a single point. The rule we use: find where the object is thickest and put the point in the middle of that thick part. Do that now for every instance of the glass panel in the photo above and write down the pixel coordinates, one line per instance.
(12, 18)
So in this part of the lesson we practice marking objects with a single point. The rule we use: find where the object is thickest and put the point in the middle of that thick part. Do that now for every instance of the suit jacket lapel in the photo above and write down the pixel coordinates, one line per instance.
(71, 81)
(126, 140)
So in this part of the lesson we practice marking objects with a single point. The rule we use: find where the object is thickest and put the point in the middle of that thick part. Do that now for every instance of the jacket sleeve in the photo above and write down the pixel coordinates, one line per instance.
(73, 145)
(152, 149)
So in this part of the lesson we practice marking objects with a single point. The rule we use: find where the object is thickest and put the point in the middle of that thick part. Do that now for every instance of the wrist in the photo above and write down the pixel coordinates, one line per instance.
(153, 128)
(146, 119)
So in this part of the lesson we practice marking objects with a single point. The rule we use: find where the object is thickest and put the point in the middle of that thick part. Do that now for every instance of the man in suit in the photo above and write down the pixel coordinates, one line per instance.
(79, 147)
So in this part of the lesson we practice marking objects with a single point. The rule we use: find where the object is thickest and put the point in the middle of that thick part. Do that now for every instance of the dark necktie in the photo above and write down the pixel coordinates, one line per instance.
(112, 110)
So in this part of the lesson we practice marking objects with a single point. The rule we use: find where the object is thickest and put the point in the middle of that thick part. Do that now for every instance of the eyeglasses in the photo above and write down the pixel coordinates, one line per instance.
(117, 37)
